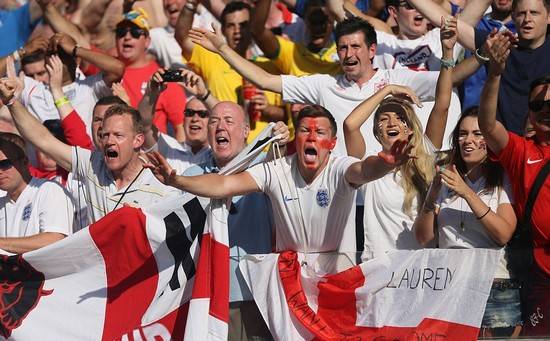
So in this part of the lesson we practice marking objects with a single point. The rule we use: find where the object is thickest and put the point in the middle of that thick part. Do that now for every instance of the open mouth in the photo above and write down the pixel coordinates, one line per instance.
(418, 19)
(310, 155)
(195, 128)
(111, 154)
(351, 62)
(393, 133)
(222, 141)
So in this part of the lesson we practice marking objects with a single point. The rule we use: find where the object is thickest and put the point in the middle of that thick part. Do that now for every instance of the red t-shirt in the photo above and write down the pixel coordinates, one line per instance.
(523, 159)
(171, 102)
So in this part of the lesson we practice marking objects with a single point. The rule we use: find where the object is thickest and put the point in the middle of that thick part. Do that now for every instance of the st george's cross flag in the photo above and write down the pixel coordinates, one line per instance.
(429, 294)
(158, 273)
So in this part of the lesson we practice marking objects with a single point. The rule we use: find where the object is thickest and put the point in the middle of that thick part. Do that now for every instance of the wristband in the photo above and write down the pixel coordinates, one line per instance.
(206, 95)
(447, 63)
(61, 102)
(484, 214)
(481, 57)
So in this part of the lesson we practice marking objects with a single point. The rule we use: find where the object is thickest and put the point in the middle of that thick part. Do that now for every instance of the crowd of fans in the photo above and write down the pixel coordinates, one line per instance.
(401, 124)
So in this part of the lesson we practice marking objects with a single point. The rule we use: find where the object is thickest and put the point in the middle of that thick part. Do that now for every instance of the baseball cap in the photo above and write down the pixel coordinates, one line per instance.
(137, 17)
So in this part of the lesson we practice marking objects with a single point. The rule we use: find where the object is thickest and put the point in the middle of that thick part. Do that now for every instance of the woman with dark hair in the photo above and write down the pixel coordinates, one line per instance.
(469, 206)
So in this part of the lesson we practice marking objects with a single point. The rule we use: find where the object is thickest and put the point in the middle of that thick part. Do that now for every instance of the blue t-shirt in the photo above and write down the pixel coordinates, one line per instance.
(523, 66)
(15, 29)
(471, 88)
(250, 223)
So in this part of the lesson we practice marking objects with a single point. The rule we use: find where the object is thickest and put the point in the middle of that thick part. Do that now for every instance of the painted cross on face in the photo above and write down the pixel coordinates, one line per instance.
(314, 141)
(392, 127)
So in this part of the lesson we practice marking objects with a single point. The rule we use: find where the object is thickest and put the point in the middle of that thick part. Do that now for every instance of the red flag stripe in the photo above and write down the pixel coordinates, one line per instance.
(336, 314)
(129, 291)
(212, 278)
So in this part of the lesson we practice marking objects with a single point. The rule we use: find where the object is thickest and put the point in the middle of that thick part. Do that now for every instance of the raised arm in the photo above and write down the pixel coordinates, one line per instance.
(473, 11)
(355, 144)
(95, 11)
(146, 108)
(38, 43)
(209, 185)
(60, 24)
(378, 24)
(183, 25)
(194, 84)
(494, 132)
(433, 12)
(435, 127)
(112, 68)
(264, 37)
(215, 42)
(27, 125)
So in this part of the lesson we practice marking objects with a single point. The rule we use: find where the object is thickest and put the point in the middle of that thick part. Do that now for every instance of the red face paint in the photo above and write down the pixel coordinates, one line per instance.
(317, 135)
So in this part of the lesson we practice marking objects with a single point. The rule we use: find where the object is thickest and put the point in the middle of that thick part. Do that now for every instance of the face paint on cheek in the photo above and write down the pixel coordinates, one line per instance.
(327, 143)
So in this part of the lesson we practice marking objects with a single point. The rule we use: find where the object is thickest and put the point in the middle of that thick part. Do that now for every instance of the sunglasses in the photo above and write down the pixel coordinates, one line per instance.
(191, 113)
(538, 105)
(135, 32)
(5, 164)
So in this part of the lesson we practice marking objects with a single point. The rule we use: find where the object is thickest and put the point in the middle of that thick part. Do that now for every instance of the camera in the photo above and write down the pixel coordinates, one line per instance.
(172, 76)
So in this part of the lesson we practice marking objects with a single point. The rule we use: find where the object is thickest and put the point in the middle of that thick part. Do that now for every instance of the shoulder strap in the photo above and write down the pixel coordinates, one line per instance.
(534, 192)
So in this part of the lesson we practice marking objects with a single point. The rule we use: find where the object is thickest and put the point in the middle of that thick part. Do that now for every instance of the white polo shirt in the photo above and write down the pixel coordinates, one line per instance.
(43, 206)
(179, 155)
(340, 96)
(327, 205)
(83, 94)
(101, 193)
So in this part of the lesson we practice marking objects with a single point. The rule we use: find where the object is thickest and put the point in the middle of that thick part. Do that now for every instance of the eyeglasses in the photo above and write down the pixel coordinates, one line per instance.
(406, 5)
(191, 113)
(538, 105)
(135, 32)
(5, 164)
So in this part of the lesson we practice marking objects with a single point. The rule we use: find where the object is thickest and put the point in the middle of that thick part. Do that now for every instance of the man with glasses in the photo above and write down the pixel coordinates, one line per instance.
(33, 212)
(523, 159)
(132, 40)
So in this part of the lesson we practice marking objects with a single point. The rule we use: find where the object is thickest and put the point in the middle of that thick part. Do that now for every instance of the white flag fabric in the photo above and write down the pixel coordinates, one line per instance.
(130, 276)
(429, 294)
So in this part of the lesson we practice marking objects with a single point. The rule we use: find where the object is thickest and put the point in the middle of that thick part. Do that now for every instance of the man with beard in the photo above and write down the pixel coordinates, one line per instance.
(113, 175)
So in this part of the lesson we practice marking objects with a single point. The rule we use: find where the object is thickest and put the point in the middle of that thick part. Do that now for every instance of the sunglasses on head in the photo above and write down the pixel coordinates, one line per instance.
(6, 164)
(191, 113)
(538, 105)
(135, 32)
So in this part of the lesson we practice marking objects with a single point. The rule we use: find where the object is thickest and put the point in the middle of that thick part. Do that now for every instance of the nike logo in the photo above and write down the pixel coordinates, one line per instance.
(530, 162)
(287, 198)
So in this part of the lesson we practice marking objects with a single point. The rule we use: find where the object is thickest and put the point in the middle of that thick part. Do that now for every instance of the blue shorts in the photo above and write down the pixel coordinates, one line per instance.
(503, 309)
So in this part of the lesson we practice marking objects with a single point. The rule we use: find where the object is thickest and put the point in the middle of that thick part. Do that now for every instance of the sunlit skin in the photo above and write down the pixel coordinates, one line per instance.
(314, 142)
(195, 127)
(45, 162)
(37, 71)
(531, 20)
(541, 119)
(227, 131)
(172, 9)
(471, 142)
(356, 57)
(236, 30)
(391, 127)
(120, 142)
(412, 24)
(130, 50)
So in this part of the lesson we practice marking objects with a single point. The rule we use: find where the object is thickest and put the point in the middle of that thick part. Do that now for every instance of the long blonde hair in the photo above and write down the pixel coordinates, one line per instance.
(418, 172)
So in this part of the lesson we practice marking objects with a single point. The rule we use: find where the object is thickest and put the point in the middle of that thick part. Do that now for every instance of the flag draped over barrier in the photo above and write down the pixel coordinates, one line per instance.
(426, 294)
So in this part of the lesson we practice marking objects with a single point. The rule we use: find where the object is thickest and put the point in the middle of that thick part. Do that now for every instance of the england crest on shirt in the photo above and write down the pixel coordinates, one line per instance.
(27, 212)
(322, 197)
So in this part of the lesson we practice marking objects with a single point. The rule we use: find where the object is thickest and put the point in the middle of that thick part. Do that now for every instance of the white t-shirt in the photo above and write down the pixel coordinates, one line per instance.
(340, 96)
(386, 226)
(101, 192)
(83, 94)
(179, 155)
(327, 205)
(165, 47)
(453, 210)
(421, 54)
(43, 206)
